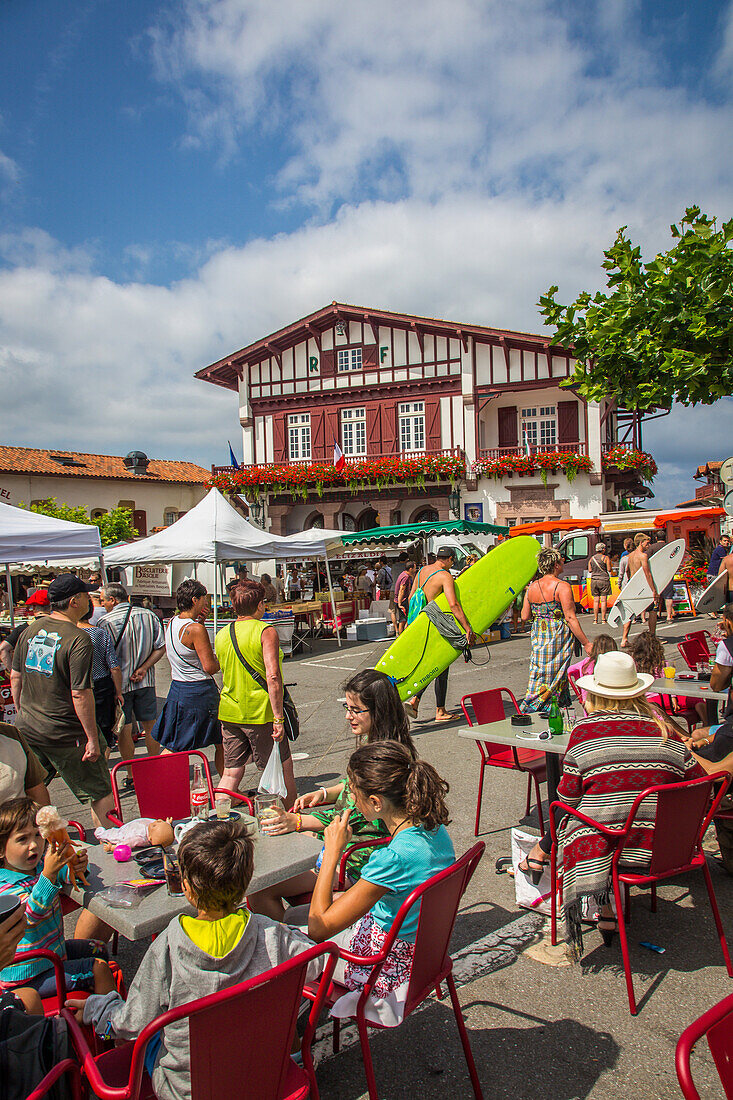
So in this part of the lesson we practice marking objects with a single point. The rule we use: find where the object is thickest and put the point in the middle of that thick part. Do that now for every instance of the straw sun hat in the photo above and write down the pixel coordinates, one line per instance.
(614, 675)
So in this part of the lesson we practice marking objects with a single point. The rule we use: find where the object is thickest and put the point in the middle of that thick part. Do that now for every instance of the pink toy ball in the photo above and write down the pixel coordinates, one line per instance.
(122, 853)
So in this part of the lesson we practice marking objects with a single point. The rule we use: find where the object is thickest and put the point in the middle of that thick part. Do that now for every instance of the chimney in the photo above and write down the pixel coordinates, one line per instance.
(137, 461)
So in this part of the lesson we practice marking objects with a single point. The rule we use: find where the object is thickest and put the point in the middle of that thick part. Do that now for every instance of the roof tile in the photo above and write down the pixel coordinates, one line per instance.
(33, 460)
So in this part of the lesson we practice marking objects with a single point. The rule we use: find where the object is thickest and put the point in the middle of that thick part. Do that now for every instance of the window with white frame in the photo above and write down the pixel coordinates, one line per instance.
(349, 359)
(411, 416)
(353, 431)
(299, 437)
(539, 426)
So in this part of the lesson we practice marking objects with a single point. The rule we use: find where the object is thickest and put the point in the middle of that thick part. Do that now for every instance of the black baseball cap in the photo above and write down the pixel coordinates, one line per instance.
(445, 552)
(66, 586)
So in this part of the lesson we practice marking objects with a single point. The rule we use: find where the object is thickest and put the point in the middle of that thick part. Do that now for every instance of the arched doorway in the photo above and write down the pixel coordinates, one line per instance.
(368, 519)
(348, 523)
(314, 520)
(425, 515)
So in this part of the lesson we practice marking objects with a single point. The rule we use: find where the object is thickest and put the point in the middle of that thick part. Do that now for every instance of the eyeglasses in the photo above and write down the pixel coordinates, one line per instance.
(355, 710)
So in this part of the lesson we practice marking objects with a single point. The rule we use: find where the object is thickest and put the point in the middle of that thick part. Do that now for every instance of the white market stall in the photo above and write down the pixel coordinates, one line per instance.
(34, 538)
(213, 531)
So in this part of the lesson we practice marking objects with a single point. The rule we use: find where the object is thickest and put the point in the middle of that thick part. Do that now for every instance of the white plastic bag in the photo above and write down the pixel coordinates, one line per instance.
(529, 896)
(272, 780)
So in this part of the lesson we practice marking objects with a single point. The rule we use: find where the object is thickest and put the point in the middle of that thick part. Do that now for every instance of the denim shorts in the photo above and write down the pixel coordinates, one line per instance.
(143, 703)
(78, 968)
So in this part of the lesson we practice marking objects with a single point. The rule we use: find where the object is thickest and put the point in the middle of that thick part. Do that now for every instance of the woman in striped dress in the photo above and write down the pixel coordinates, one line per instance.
(624, 745)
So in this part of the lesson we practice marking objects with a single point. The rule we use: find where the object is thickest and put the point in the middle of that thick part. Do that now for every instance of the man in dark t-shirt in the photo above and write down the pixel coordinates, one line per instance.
(52, 688)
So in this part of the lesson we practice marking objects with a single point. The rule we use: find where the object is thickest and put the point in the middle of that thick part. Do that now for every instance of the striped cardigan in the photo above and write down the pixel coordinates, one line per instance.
(609, 760)
(43, 916)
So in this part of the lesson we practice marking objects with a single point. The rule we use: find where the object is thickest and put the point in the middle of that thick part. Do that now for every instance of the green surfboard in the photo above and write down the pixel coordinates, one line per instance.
(485, 592)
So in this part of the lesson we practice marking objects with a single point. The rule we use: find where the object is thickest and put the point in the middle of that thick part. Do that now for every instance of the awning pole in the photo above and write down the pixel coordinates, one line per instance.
(216, 591)
(10, 595)
(333, 601)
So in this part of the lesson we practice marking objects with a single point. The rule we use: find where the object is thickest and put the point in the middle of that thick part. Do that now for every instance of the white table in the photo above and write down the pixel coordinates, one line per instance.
(276, 858)
(693, 689)
(504, 733)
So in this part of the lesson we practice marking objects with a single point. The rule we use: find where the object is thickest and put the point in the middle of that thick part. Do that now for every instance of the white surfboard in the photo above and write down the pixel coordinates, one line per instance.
(714, 595)
(636, 595)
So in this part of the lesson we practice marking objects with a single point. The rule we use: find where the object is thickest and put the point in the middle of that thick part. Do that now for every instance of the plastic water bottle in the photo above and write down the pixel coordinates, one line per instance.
(199, 793)
(555, 719)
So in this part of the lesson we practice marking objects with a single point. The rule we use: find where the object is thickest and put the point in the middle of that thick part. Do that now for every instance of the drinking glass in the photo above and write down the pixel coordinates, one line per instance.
(223, 806)
(669, 672)
(265, 807)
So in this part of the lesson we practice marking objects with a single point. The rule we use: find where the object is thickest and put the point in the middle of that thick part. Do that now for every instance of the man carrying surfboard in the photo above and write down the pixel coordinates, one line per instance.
(639, 559)
(721, 551)
(429, 582)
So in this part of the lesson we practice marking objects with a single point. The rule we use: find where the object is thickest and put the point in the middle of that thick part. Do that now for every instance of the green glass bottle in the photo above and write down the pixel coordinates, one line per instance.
(555, 718)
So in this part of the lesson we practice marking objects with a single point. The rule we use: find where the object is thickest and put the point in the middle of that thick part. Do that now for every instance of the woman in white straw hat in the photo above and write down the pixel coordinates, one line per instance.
(623, 745)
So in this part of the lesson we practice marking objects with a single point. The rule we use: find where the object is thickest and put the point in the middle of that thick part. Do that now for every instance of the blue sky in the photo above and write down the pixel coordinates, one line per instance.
(177, 179)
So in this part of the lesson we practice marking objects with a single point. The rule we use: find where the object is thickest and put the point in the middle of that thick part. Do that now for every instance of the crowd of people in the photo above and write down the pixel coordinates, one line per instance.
(80, 679)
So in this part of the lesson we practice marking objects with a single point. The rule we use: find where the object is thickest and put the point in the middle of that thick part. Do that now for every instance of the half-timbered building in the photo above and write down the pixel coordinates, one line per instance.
(461, 402)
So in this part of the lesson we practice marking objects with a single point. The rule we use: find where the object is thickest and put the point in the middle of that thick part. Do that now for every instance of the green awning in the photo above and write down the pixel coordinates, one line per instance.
(406, 531)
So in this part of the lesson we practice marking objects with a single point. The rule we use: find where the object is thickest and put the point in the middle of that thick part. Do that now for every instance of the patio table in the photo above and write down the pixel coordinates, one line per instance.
(693, 689)
(504, 733)
(276, 858)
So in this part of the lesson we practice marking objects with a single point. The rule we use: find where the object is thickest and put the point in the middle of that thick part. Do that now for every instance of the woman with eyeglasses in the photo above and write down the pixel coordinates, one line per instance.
(374, 713)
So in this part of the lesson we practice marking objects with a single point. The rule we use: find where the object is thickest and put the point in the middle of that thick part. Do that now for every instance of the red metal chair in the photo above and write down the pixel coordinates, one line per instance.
(304, 898)
(703, 637)
(488, 706)
(717, 1026)
(693, 651)
(163, 785)
(69, 1069)
(242, 1034)
(53, 1005)
(573, 675)
(438, 899)
(684, 811)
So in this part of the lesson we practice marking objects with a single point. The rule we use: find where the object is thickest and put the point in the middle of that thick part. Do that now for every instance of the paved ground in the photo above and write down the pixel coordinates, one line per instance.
(537, 1032)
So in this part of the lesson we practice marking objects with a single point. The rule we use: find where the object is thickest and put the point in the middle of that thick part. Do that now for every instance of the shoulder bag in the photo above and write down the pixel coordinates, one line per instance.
(290, 714)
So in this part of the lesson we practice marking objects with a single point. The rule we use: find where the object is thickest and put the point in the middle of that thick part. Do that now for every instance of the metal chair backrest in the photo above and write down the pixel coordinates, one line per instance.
(717, 1026)
(241, 1034)
(683, 812)
(487, 706)
(700, 636)
(693, 651)
(163, 783)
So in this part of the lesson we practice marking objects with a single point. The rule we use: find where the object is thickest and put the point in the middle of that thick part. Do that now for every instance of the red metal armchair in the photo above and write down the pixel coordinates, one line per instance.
(438, 899)
(163, 785)
(717, 1026)
(693, 651)
(684, 811)
(69, 1069)
(701, 638)
(53, 1005)
(248, 1029)
(488, 706)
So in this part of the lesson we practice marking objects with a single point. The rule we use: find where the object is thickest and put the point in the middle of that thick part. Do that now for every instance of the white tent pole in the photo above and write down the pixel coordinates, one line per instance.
(333, 602)
(216, 591)
(10, 595)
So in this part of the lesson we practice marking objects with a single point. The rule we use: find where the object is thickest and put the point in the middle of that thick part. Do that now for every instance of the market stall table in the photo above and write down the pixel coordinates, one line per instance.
(693, 689)
(276, 859)
(504, 733)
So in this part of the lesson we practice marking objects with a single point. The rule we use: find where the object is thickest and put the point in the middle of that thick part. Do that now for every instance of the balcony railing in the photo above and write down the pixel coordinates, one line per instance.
(446, 452)
(562, 448)
(702, 492)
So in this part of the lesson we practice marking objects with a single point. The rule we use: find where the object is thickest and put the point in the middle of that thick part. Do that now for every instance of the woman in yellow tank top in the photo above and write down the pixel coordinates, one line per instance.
(251, 718)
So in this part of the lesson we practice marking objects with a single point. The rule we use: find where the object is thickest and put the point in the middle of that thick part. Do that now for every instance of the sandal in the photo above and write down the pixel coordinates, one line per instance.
(533, 868)
(610, 931)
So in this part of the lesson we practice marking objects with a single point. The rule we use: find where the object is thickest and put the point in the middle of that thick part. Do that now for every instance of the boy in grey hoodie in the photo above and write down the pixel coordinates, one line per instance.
(195, 956)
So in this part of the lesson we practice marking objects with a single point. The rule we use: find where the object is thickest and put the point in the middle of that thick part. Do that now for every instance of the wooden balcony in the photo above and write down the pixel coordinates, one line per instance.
(702, 492)
(519, 452)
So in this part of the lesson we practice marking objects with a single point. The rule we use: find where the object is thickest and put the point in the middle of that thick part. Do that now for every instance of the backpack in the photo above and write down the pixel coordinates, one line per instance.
(418, 600)
(29, 1048)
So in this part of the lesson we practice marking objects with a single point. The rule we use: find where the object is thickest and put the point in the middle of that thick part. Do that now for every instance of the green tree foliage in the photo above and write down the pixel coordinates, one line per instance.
(114, 526)
(664, 331)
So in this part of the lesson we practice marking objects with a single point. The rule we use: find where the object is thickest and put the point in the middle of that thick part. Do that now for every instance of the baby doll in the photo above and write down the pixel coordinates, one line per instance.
(138, 834)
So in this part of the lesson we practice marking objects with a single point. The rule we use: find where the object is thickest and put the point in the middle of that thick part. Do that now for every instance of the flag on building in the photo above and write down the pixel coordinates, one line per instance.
(338, 458)
(232, 459)
(525, 443)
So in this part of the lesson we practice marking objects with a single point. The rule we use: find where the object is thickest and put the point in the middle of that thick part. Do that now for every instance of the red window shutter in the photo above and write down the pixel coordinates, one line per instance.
(567, 422)
(374, 429)
(332, 433)
(279, 439)
(433, 439)
(390, 442)
(508, 426)
(328, 363)
(140, 522)
(318, 438)
(369, 355)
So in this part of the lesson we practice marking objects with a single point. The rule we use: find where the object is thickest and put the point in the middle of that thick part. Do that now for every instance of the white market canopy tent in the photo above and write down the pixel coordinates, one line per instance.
(32, 538)
(214, 531)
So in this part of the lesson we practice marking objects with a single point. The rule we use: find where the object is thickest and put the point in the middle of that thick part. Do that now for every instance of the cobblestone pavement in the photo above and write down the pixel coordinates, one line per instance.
(536, 1031)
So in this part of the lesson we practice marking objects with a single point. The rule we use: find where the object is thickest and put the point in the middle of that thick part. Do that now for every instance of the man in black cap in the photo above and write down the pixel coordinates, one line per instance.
(52, 688)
